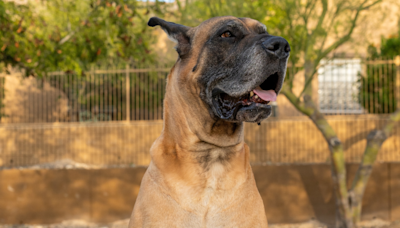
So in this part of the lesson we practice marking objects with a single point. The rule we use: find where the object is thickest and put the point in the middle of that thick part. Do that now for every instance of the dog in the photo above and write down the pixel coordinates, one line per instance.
(228, 71)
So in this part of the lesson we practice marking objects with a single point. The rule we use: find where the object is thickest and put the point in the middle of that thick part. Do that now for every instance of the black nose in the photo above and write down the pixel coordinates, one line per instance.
(276, 46)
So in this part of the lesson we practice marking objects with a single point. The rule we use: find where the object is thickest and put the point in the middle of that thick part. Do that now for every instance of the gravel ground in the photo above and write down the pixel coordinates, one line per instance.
(376, 223)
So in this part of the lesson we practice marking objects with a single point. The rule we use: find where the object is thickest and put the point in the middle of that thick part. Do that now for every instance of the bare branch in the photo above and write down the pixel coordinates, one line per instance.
(296, 101)
(336, 44)
(307, 12)
(309, 80)
(321, 17)
(66, 38)
(372, 4)
(393, 120)
(349, 33)
(311, 9)
(337, 11)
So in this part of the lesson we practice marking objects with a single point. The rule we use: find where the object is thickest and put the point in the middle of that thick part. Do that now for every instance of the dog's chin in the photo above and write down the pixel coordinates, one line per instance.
(254, 112)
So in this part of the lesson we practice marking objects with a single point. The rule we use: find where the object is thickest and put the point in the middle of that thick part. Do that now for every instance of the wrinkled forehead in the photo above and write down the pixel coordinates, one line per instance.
(211, 26)
(254, 25)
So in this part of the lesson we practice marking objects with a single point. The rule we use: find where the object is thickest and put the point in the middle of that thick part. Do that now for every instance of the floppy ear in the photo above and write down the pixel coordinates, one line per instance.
(176, 32)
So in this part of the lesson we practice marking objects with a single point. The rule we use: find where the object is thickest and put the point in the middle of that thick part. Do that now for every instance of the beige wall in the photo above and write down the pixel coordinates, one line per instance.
(379, 21)
(291, 193)
(31, 100)
(294, 140)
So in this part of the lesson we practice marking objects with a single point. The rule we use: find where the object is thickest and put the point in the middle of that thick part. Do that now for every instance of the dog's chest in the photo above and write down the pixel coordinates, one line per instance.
(214, 182)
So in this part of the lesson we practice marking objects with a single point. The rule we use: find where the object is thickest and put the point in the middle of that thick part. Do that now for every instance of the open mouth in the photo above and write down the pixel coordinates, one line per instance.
(228, 106)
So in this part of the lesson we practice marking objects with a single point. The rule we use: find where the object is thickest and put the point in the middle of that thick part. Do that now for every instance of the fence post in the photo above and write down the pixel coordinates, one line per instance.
(397, 63)
(128, 93)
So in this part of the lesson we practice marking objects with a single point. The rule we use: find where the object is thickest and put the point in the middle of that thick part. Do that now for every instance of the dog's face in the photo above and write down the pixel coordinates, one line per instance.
(236, 65)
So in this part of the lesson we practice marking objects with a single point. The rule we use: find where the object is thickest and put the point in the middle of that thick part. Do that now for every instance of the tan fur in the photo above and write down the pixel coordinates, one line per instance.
(180, 191)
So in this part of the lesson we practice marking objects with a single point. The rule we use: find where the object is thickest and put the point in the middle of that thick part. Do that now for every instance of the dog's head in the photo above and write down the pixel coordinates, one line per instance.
(232, 64)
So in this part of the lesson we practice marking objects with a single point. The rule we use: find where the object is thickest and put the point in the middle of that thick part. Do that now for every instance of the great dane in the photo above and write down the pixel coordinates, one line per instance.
(228, 71)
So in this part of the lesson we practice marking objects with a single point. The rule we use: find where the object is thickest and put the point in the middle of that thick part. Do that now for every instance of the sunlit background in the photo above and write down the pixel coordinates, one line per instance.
(81, 101)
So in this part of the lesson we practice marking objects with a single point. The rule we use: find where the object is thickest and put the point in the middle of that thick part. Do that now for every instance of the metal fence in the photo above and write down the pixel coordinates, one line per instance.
(356, 86)
(102, 94)
(111, 116)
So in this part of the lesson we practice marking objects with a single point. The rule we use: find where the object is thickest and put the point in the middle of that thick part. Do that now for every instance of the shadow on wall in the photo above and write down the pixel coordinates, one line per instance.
(95, 144)
(291, 193)
(32, 100)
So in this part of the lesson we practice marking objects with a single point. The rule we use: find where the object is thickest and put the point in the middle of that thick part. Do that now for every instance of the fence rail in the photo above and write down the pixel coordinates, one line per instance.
(110, 116)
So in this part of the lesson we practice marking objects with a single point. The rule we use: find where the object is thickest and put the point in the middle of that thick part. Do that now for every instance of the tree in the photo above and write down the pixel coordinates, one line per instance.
(44, 36)
(307, 25)
(72, 36)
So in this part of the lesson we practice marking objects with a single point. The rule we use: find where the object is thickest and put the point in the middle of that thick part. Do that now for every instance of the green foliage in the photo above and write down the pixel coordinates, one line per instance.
(377, 92)
(390, 47)
(70, 35)
(378, 86)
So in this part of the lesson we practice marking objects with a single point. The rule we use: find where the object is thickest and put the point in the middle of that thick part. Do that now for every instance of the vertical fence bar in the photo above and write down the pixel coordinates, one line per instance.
(2, 82)
(379, 82)
(128, 92)
(397, 63)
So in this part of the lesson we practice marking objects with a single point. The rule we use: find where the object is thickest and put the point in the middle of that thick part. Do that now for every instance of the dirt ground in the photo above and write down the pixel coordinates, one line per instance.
(376, 223)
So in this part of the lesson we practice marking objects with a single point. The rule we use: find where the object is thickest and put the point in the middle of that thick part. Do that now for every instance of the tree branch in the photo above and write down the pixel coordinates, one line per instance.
(372, 4)
(338, 9)
(321, 17)
(375, 139)
(296, 101)
(349, 33)
(66, 38)
(393, 119)
(336, 44)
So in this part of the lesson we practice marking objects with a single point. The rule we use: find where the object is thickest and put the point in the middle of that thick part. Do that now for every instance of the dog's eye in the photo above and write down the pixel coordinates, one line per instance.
(226, 34)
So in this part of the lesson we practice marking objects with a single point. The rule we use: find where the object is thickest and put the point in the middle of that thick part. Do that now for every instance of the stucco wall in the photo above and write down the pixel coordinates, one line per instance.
(291, 193)
(294, 140)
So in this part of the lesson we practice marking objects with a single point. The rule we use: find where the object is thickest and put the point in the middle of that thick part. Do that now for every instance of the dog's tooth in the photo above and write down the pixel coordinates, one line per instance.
(251, 93)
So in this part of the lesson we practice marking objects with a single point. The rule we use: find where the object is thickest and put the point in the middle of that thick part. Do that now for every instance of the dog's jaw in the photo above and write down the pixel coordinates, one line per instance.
(185, 110)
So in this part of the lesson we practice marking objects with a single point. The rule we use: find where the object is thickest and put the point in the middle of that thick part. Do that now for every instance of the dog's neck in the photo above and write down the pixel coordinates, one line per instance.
(197, 156)
(190, 131)
(189, 124)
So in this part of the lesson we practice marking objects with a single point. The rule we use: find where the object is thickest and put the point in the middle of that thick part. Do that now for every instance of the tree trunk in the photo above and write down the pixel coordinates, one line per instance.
(375, 139)
(344, 216)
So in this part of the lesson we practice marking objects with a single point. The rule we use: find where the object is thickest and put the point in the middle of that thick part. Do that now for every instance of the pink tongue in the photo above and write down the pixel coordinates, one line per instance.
(266, 95)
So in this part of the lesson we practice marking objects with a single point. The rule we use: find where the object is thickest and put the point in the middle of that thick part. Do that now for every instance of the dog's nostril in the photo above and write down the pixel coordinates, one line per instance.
(287, 48)
(273, 47)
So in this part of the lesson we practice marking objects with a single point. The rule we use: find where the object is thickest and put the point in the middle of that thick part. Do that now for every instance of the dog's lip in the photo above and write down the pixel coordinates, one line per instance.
(232, 113)
(217, 91)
